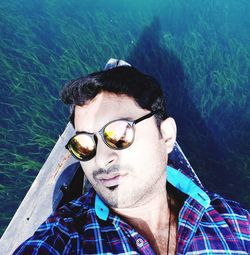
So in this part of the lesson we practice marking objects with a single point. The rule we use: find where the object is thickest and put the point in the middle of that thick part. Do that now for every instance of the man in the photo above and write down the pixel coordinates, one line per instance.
(145, 197)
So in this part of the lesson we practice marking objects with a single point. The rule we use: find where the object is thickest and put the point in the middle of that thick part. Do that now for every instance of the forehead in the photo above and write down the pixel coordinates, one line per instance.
(103, 108)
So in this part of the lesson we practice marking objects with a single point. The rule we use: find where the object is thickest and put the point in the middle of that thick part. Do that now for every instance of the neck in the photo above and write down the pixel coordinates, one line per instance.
(155, 220)
(151, 210)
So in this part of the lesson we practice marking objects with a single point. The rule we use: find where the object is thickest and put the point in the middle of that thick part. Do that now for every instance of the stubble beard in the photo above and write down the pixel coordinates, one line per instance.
(134, 194)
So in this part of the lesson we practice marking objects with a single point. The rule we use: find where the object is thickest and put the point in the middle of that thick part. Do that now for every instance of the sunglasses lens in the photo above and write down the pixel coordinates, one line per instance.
(82, 146)
(119, 134)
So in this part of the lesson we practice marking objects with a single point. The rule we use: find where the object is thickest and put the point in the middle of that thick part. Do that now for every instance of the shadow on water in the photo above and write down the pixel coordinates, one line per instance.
(205, 154)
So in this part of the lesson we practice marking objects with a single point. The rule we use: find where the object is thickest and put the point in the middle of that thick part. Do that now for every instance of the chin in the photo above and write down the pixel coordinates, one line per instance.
(116, 196)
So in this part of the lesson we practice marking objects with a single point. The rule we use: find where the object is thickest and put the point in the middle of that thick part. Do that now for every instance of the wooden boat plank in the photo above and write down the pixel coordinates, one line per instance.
(42, 197)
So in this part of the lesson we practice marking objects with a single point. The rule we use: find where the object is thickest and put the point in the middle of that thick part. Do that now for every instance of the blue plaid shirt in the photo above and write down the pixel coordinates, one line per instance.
(207, 224)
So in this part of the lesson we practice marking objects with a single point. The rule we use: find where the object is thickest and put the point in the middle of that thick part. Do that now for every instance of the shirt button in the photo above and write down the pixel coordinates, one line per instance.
(139, 242)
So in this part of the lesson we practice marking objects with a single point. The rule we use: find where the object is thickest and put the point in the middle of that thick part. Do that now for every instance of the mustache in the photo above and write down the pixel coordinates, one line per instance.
(112, 169)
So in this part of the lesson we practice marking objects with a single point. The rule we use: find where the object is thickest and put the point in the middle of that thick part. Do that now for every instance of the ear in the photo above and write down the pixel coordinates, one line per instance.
(168, 132)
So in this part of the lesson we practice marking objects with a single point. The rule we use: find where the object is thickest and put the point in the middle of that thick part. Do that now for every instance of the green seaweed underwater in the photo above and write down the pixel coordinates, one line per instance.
(198, 49)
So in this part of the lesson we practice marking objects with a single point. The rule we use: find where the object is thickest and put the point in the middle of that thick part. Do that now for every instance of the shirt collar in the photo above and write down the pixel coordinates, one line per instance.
(177, 179)
(187, 186)
(102, 210)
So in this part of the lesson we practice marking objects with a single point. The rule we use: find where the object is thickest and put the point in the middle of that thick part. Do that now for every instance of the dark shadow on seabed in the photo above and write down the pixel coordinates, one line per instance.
(205, 154)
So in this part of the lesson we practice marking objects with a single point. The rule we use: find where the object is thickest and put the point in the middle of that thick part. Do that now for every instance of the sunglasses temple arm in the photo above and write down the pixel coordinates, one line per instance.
(145, 117)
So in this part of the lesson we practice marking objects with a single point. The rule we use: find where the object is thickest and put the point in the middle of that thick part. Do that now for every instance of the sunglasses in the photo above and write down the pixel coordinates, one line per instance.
(117, 134)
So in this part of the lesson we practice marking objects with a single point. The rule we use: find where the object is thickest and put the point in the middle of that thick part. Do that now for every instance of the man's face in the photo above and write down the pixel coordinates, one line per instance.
(129, 177)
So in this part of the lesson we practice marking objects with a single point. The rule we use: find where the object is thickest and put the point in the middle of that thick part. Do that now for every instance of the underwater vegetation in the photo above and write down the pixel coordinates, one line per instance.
(198, 50)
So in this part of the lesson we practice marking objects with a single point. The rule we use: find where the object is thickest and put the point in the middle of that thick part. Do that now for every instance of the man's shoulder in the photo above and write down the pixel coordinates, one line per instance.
(229, 219)
(71, 213)
(222, 227)
(228, 208)
(61, 229)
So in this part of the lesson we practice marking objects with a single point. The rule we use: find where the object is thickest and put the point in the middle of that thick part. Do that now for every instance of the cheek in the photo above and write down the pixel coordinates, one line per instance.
(149, 141)
(87, 169)
(149, 151)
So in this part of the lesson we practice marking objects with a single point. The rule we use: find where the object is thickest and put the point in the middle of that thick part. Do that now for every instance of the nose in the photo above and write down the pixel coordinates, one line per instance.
(105, 156)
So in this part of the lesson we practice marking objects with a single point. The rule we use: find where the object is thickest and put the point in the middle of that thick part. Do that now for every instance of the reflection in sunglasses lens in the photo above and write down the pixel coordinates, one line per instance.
(82, 146)
(119, 134)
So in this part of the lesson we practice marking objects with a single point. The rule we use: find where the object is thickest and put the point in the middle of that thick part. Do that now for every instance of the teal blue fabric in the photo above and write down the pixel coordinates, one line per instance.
(187, 186)
(102, 211)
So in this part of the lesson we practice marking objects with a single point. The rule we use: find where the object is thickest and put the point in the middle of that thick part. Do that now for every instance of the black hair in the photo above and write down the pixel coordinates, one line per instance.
(122, 80)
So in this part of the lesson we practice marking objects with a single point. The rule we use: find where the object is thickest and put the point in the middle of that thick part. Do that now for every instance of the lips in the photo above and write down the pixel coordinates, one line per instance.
(110, 180)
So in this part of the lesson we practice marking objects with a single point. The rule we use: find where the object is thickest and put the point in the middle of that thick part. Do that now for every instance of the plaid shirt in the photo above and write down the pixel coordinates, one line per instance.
(207, 224)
